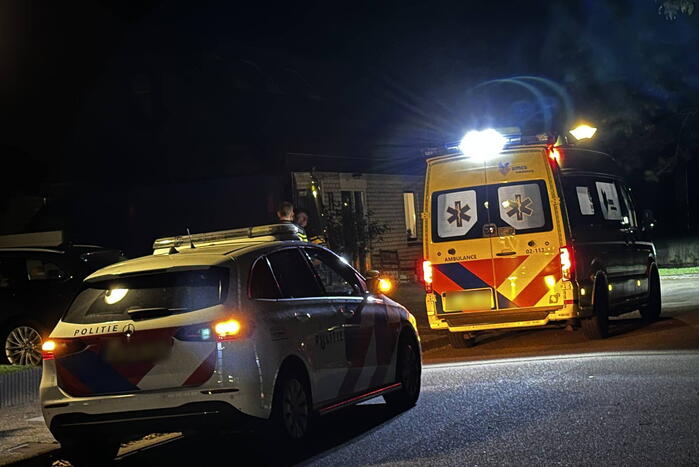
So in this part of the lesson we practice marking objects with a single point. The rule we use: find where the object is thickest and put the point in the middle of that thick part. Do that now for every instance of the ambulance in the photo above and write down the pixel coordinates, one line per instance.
(521, 232)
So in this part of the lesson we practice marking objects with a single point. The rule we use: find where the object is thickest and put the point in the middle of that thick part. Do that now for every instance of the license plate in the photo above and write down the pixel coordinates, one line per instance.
(136, 352)
(468, 300)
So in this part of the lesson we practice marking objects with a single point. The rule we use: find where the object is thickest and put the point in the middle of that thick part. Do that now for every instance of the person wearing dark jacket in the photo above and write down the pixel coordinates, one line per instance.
(285, 213)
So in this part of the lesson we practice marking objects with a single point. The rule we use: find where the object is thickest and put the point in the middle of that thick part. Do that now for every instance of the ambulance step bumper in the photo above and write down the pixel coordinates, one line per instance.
(494, 317)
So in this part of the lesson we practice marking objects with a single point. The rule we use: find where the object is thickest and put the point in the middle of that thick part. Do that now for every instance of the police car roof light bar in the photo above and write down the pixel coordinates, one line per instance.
(271, 232)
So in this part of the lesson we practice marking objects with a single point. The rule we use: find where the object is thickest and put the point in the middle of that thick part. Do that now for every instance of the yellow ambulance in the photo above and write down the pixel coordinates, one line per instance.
(521, 233)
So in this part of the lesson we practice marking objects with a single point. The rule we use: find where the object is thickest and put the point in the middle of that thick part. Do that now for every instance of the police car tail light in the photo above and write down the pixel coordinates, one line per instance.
(567, 262)
(47, 350)
(227, 330)
(427, 275)
(52, 348)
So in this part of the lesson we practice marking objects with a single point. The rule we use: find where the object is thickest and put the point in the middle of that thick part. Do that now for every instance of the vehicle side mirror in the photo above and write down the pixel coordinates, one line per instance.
(648, 220)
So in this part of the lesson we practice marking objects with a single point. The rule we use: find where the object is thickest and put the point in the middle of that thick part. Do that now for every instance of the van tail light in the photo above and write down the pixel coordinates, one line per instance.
(567, 262)
(554, 155)
(427, 275)
(52, 348)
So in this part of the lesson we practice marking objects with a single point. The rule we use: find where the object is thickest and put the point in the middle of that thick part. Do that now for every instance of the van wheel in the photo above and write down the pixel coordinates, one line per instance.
(408, 373)
(461, 340)
(597, 326)
(91, 452)
(292, 407)
(651, 311)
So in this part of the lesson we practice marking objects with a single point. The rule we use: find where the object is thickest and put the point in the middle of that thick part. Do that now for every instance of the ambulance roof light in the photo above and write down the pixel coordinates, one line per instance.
(482, 145)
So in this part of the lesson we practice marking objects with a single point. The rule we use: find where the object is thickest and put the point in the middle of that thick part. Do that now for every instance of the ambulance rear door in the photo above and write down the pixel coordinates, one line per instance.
(527, 230)
(459, 248)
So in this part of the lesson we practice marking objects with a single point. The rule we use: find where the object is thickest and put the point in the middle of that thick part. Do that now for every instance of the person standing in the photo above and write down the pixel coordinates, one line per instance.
(301, 218)
(285, 213)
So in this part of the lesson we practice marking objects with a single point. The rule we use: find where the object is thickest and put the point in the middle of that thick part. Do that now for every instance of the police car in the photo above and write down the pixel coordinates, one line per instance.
(215, 329)
(524, 231)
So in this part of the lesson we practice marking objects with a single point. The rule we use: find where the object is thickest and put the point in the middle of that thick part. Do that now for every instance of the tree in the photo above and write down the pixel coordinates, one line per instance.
(351, 234)
(671, 8)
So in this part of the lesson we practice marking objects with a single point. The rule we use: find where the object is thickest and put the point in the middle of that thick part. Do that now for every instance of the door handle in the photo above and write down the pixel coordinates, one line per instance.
(506, 253)
(302, 316)
(347, 312)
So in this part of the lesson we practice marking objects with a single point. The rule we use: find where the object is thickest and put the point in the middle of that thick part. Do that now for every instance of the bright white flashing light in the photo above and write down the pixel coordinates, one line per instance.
(482, 145)
(583, 132)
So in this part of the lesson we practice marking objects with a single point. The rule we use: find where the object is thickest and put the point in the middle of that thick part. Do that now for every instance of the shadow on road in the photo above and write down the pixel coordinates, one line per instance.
(331, 432)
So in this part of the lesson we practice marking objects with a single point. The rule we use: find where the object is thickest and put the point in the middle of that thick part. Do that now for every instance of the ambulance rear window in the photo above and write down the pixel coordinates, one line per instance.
(467, 213)
(149, 296)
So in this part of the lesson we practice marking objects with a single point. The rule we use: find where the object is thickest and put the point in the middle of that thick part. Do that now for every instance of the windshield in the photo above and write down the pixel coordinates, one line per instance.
(463, 213)
(149, 296)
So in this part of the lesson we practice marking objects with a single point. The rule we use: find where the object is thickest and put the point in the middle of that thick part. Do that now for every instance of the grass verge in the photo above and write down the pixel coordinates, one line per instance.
(678, 271)
(4, 369)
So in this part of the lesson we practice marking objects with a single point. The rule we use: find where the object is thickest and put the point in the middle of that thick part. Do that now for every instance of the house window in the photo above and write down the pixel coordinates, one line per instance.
(410, 215)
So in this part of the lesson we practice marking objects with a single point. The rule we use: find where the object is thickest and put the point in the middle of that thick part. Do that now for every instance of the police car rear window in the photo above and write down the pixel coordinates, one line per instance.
(149, 296)
(466, 213)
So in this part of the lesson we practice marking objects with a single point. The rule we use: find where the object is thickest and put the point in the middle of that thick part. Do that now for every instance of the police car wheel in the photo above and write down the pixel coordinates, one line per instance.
(597, 326)
(90, 452)
(409, 374)
(292, 418)
(651, 311)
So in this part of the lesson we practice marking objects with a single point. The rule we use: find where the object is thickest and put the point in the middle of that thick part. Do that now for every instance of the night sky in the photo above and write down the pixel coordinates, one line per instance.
(124, 93)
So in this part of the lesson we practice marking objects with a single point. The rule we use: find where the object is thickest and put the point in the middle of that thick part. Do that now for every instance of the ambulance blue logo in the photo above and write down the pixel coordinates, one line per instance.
(504, 167)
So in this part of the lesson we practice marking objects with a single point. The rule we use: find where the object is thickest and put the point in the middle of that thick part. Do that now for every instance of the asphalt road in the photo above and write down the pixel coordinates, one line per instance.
(600, 409)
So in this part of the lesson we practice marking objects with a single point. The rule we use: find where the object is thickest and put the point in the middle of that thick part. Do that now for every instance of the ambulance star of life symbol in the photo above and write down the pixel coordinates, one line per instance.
(458, 214)
(129, 329)
(520, 207)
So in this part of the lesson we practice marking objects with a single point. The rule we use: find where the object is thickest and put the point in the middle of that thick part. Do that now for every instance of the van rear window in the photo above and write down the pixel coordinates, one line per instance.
(474, 212)
(149, 296)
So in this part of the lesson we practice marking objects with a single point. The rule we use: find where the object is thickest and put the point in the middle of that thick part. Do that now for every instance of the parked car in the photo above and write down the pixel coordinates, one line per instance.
(218, 329)
(533, 234)
(40, 275)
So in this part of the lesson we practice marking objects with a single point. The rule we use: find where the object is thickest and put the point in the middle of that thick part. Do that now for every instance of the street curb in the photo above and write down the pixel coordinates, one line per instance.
(19, 387)
(34, 454)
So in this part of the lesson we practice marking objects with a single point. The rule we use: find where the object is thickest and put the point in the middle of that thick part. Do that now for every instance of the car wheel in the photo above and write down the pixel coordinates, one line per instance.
(461, 340)
(651, 311)
(597, 326)
(409, 374)
(22, 344)
(292, 407)
(90, 452)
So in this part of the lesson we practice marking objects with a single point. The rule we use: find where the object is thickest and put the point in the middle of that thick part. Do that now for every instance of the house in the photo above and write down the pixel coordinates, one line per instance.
(387, 203)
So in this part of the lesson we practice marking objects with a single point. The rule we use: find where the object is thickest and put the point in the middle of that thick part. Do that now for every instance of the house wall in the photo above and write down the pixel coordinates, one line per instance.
(384, 202)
